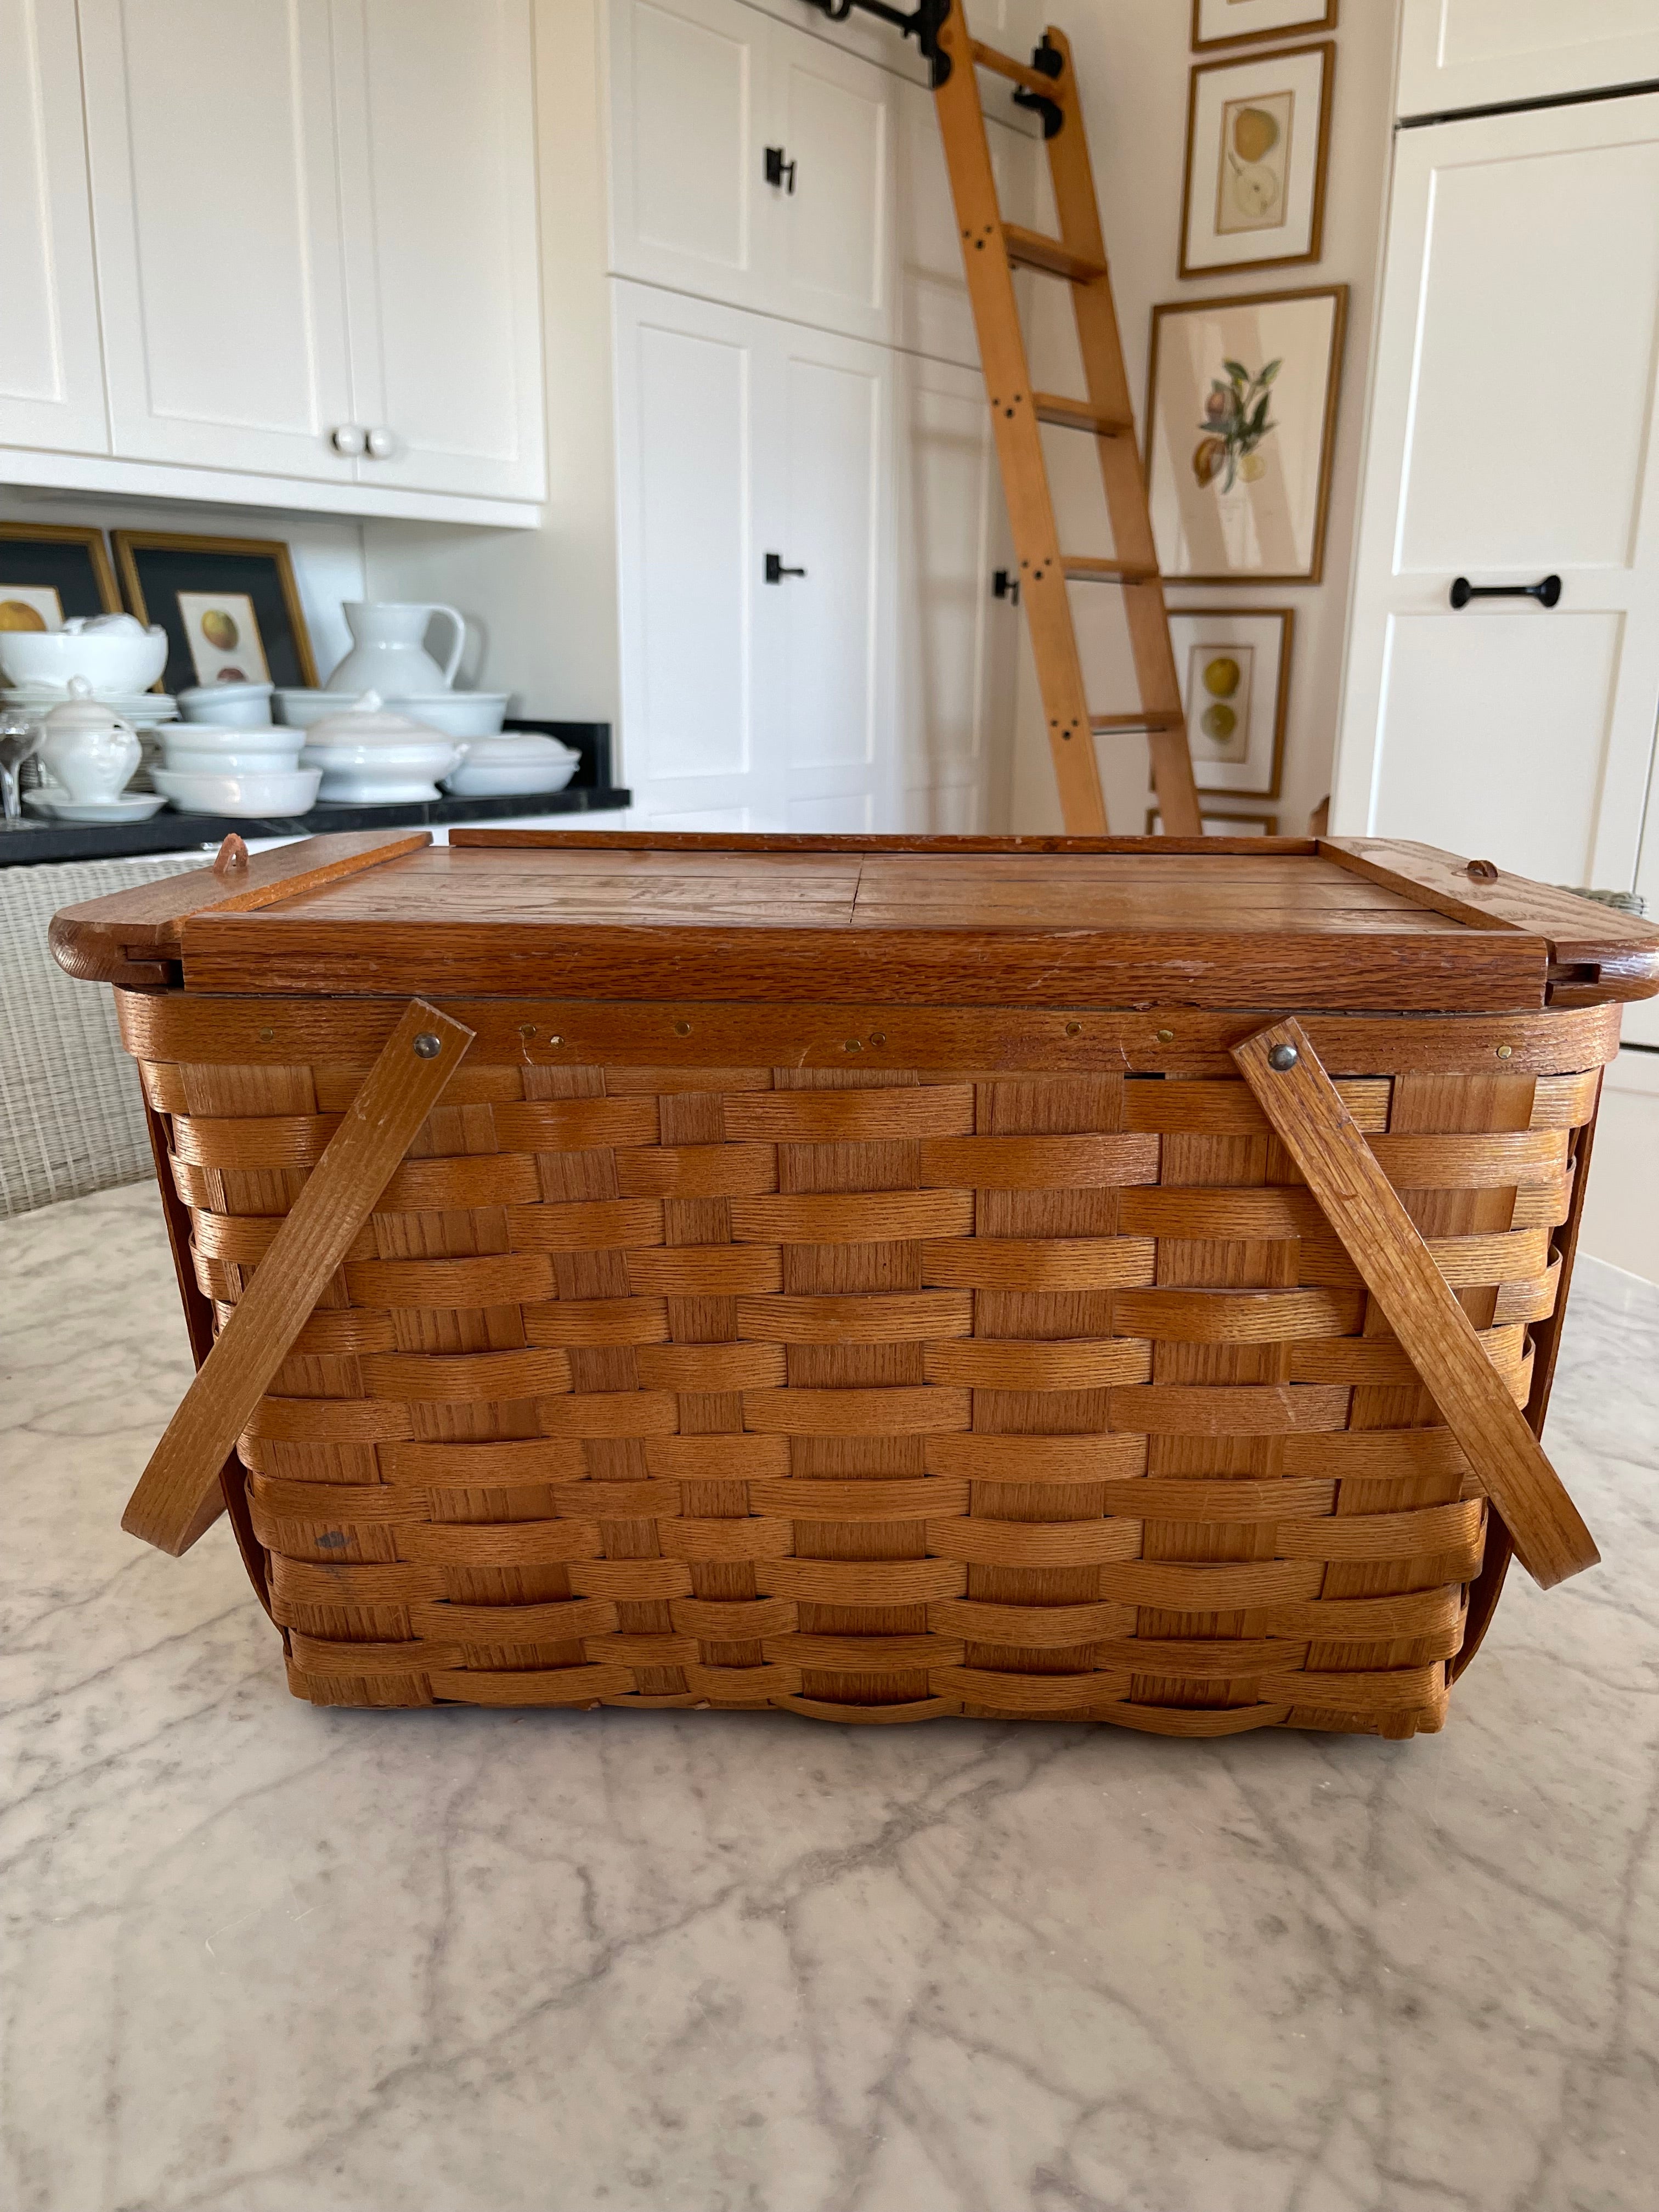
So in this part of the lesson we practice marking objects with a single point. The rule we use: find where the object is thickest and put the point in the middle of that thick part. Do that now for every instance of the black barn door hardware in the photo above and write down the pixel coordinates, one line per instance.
(1547, 591)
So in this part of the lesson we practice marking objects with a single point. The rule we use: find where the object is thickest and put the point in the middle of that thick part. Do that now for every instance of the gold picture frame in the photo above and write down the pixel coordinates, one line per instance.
(1259, 641)
(1302, 15)
(1276, 534)
(156, 565)
(65, 563)
(1273, 93)
(1253, 825)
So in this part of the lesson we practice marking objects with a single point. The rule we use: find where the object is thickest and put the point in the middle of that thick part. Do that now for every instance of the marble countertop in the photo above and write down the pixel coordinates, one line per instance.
(264, 1958)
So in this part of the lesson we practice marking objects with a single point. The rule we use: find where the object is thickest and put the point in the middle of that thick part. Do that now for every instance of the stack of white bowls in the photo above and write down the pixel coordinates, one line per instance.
(226, 758)
(114, 655)
(372, 755)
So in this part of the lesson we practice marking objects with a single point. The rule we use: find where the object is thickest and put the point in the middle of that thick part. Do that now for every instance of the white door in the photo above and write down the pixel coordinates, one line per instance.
(1478, 53)
(828, 634)
(437, 163)
(931, 313)
(690, 111)
(52, 369)
(216, 204)
(1510, 440)
(697, 504)
(831, 223)
(958, 644)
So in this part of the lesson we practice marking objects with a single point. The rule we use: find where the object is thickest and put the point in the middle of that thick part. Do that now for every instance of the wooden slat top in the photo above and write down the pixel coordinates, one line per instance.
(1358, 924)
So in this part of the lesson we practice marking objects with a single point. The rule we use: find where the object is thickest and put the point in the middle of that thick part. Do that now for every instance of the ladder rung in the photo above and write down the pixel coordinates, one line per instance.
(1145, 719)
(1079, 415)
(989, 57)
(1084, 568)
(1035, 251)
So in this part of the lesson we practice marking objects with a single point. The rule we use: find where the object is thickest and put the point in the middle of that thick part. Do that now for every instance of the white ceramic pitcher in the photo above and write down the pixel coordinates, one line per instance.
(388, 654)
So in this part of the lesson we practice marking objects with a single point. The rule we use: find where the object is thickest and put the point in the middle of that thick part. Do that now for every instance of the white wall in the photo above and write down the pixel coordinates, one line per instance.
(328, 554)
(542, 603)
(1132, 59)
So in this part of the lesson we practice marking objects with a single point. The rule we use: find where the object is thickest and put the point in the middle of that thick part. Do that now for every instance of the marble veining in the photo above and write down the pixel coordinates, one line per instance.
(264, 1958)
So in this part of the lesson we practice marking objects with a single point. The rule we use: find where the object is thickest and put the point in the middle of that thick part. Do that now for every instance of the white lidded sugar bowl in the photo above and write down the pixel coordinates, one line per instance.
(89, 752)
(372, 755)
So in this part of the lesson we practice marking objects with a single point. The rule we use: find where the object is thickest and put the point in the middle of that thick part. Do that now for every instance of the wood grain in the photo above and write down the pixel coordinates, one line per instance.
(1550, 1537)
(176, 1488)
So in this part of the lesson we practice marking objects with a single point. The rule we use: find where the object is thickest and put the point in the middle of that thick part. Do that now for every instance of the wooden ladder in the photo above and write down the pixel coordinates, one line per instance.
(992, 250)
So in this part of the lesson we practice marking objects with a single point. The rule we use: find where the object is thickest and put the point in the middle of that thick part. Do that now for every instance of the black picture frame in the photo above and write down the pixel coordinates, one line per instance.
(72, 560)
(156, 565)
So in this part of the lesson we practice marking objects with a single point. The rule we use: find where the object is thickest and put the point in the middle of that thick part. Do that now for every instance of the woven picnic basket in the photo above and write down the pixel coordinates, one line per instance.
(879, 1357)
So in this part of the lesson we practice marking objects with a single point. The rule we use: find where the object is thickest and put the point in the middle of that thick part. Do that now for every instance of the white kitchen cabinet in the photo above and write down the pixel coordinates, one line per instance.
(1482, 53)
(315, 247)
(857, 234)
(1510, 440)
(52, 379)
(439, 192)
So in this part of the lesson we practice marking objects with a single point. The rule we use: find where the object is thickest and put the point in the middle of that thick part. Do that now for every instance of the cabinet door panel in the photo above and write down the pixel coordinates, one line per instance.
(833, 715)
(1522, 256)
(932, 314)
(833, 223)
(690, 382)
(444, 286)
(215, 202)
(688, 85)
(1474, 53)
(958, 645)
(52, 372)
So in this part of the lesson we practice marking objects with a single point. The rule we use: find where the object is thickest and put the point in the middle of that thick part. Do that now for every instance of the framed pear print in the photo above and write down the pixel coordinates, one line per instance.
(1233, 664)
(1241, 408)
(1258, 140)
(1247, 22)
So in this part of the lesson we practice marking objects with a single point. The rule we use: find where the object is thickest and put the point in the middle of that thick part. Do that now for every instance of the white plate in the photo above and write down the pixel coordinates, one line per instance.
(136, 808)
(144, 709)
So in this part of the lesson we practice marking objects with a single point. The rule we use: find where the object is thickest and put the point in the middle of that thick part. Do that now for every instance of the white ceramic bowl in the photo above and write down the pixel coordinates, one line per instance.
(245, 706)
(522, 761)
(120, 661)
(380, 773)
(243, 760)
(195, 745)
(457, 714)
(272, 794)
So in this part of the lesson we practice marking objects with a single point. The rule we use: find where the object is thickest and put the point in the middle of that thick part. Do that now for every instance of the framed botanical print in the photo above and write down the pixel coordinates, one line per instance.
(1247, 23)
(229, 605)
(1241, 409)
(1258, 140)
(1234, 668)
(49, 571)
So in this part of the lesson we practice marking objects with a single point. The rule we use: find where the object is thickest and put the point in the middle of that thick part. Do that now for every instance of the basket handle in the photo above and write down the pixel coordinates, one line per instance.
(177, 1496)
(1381, 1238)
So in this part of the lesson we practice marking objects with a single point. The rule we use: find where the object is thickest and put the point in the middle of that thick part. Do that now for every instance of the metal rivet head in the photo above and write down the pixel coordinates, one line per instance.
(1074, 1029)
(1283, 1058)
(1166, 1037)
(267, 1035)
(682, 1028)
(877, 1036)
(554, 1038)
(526, 1028)
(427, 1046)
(854, 1044)
(1506, 1052)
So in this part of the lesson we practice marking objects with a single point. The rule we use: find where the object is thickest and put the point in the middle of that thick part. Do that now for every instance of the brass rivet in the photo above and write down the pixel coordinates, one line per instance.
(555, 1040)
(1506, 1052)
(682, 1028)
(1166, 1037)
(1074, 1029)
(526, 1028)
(853, 1044)
(877, 1036)
(427, 1046)
(1283, 1058)
(266, 1036)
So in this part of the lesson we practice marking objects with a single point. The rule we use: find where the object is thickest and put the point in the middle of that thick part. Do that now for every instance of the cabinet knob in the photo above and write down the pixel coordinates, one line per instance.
(381, 445)
(348, 440)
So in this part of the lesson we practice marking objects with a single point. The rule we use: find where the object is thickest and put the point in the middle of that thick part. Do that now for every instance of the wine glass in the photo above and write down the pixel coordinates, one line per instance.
(20, 738)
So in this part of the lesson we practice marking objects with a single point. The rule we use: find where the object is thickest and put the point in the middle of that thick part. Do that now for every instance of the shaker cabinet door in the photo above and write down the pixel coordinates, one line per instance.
(1478, 53)
(215, 202)
(1522, 258)
(438, 171)
(689, 106)
(51, 373)
(831, 219)
(697, 507)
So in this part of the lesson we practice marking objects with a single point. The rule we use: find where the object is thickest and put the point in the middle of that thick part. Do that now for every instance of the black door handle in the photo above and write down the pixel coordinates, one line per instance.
(775, 571)
(778, 171)
(1005, 584)
(1547, 591)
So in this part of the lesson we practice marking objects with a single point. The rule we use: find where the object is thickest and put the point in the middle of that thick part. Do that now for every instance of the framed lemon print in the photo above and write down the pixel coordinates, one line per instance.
(1240, 413)
(1234, 667)
(1258, 141)
(230, 606)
